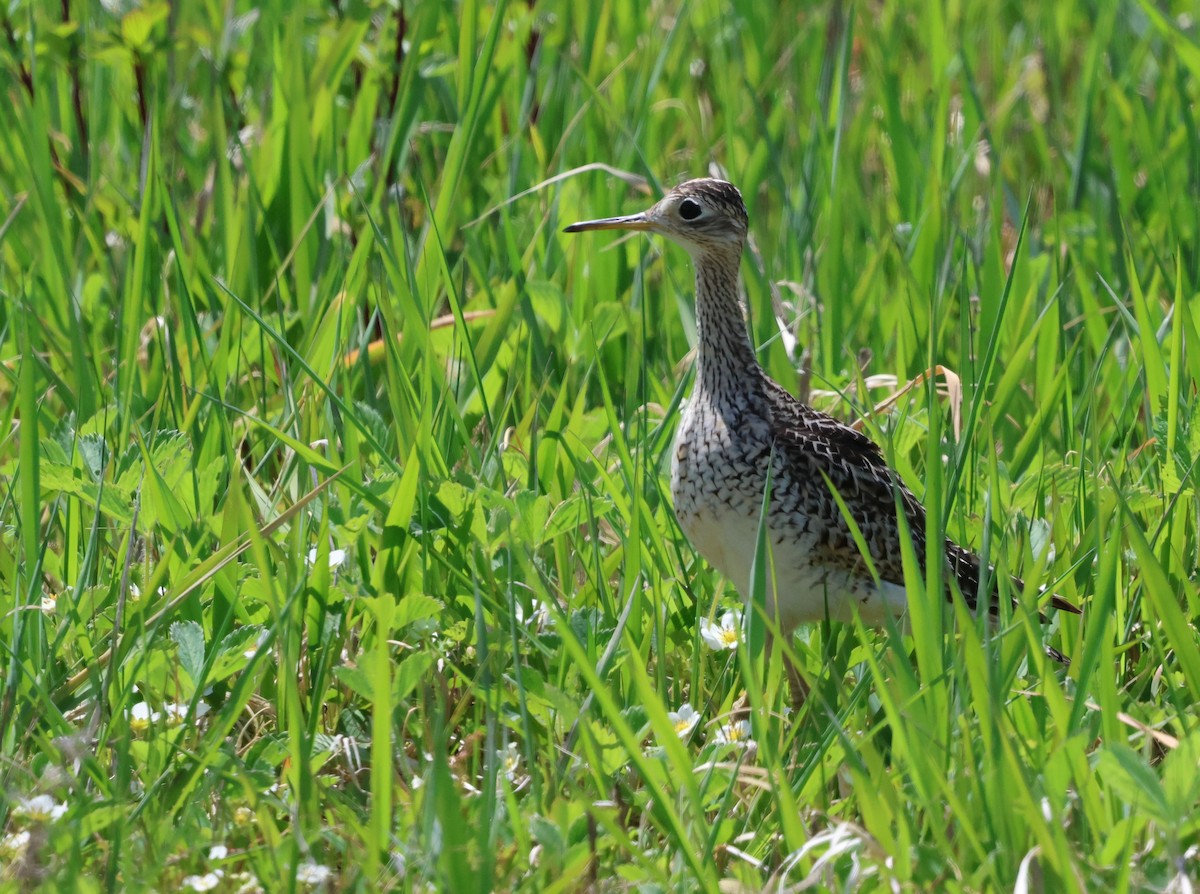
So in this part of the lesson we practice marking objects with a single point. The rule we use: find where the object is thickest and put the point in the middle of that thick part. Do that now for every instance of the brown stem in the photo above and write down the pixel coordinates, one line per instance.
(397, 58)
(76, 90)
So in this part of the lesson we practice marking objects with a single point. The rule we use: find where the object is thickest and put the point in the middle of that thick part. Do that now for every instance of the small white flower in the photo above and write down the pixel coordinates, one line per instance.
(177, 713)
(49, 604)
(249, 885)
(724, 636)
(13, 845)
(684, 720)
(218, 852)
(510, 760)
(140, 717)
(313, 874)
(39, 809)
(206, 882)
(336, 557)
(737, 734)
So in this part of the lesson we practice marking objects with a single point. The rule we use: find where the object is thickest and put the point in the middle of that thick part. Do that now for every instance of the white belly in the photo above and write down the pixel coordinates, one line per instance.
(798, 590)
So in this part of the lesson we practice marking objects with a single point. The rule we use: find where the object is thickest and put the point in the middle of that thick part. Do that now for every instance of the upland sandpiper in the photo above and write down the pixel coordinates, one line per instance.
(741, 432)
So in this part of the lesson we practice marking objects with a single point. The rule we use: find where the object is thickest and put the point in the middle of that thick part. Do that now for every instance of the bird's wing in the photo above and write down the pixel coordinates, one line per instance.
(811, 444)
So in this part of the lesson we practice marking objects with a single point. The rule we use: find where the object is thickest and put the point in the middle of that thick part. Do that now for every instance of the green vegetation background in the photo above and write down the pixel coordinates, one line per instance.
(287, 277)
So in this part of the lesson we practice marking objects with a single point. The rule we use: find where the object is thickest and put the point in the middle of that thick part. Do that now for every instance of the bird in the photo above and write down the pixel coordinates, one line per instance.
(746, 450)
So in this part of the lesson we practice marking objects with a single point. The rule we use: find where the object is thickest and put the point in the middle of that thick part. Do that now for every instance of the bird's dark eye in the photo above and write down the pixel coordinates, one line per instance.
(689, 209)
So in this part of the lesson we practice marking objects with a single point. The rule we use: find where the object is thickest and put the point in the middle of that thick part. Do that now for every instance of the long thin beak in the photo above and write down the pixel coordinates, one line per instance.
(628, 222)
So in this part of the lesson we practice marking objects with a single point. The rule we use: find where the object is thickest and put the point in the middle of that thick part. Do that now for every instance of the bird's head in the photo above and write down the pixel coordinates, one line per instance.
(701, 215)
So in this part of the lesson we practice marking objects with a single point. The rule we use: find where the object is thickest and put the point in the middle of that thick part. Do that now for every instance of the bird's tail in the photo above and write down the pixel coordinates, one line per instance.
(966, 568)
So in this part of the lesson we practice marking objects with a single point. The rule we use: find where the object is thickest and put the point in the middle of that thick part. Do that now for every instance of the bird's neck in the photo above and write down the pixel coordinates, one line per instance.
(725, 360)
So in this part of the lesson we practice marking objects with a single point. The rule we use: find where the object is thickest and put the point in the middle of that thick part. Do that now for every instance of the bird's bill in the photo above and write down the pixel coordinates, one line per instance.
(628, 222)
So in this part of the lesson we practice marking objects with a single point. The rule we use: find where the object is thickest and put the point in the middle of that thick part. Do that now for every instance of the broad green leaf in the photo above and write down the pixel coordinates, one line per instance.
(189, 639)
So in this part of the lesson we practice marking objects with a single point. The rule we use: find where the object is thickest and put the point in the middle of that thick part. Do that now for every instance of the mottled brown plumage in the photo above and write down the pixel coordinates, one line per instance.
(741, 429)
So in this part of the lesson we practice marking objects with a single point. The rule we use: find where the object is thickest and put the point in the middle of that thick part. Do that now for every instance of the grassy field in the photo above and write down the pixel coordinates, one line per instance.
(336, 548)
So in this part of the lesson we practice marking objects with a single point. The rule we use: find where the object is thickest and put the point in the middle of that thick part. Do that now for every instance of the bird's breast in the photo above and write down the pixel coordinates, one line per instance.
(720, 469)
(718, 477)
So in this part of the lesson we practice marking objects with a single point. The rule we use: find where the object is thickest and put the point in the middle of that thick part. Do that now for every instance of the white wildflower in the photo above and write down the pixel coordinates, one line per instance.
(247, 884)
(336, 557)
(684, 720)
(39, 809)
(510, 761)
(736, 734)
(723, 636)
(14, 844)
(177, 713)
(141, 716)
(206, 882)
(313, 874)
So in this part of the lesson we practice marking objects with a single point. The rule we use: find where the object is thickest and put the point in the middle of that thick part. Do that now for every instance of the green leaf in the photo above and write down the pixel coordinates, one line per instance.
(355, 680)
(189, 639)
(232, 652)
(570, 514)
(94, 452)
(1131, 780)
(1181, 776)
(411, 671)
(113, 500)
(549, 836)
(416, 607)
(138, 25)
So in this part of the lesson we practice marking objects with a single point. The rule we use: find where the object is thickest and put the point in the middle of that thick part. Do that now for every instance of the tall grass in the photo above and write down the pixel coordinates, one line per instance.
(334, 527)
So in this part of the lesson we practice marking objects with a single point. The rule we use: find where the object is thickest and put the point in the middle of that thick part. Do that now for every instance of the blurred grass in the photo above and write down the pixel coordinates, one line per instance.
(226, 231)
